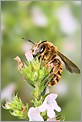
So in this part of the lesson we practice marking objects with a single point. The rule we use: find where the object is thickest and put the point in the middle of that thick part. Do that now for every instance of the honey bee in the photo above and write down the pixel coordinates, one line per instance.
(53, 58)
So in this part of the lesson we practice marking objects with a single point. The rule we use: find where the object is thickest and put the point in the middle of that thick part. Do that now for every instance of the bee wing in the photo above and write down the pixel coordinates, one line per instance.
(70, 66)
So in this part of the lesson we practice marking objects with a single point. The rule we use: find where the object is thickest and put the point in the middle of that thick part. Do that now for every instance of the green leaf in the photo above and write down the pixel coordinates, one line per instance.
(60, 117)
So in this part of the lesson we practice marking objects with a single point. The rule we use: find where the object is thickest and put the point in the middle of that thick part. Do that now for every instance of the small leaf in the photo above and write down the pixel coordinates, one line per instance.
(60, 117)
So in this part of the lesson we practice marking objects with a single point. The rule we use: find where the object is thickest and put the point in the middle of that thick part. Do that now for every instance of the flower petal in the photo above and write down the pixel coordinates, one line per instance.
(51, 119)
(50, 113)
(50, 100)
(34, 114)
(56, 107)
(51, 97)
(28, 55)
(42, 107)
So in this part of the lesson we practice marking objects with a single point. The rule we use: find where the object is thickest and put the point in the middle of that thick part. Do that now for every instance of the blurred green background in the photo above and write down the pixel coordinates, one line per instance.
(58, 22)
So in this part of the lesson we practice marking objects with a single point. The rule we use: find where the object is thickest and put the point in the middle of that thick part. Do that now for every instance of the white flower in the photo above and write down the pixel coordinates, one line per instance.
(28, 55)
(6, 93)
(68, 23)
(34, 114)
(50, 105)
(38, 18)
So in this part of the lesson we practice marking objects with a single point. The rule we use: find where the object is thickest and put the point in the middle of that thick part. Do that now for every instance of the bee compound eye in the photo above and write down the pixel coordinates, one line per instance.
(42, 49)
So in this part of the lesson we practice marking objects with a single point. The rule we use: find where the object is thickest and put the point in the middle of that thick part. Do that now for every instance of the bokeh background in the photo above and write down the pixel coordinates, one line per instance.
(58, 22)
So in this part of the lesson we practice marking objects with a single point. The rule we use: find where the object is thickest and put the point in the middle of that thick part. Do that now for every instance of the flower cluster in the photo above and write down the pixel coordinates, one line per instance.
(44, 105)
(48, 105)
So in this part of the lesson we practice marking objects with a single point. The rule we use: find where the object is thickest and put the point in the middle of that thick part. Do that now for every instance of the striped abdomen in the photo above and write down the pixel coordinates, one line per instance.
(56, 71)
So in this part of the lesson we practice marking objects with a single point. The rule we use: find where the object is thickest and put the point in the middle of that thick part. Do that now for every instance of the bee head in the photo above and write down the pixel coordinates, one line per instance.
(38, 49)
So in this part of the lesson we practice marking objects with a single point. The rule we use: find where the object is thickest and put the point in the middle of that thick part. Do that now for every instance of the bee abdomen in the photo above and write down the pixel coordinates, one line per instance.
(55, 79)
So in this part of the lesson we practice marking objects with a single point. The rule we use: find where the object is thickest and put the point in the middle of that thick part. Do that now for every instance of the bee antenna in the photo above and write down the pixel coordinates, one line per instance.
(28, 40)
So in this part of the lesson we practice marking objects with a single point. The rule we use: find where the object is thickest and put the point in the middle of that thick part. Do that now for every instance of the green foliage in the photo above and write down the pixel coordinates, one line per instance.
(60, 118)
(17, 107)
(37, 75)
(34, 71)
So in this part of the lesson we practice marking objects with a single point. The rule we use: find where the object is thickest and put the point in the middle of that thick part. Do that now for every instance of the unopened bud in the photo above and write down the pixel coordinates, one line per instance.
(20, 64)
